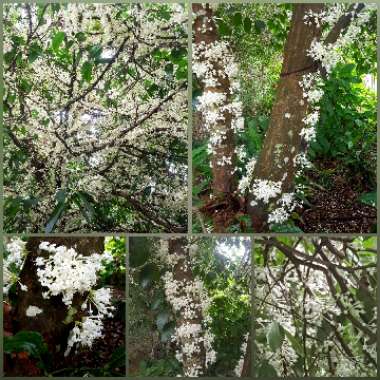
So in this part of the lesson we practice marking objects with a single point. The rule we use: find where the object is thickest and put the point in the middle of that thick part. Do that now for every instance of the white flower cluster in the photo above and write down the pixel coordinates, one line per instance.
(214, 66)
(13, 261)
(101, 134)
(281, 288)
(65, 272)
(264, 190)
(33, 311)
(328, 55)
(85, 332)
(245, 181)
(286, 204)
(190, 302)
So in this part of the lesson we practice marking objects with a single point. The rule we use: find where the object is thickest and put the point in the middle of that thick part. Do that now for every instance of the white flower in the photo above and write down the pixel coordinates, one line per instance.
(32, 311)
(65, 272)
(264, 189)
(308, 134)
(85, 333)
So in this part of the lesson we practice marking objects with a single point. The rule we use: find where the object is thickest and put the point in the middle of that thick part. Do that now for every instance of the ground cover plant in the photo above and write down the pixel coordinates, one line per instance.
(284, 126)
(95, 117)
(190, 307)
(315, 307)
(64, 306)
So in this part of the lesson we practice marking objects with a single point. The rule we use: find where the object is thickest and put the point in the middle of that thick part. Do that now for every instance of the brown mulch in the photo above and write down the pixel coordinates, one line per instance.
(338, 208)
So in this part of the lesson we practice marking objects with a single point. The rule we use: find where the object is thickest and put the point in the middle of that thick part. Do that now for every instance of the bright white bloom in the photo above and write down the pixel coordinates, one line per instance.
(65, 272)
(308, 134)
(32, 311)
(85, 333)
(264, 190)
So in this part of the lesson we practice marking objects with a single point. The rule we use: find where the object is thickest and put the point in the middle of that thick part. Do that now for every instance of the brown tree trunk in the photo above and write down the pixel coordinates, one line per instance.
(282, 142)
(246, 371)
(182, 273)
(50, 322)
(224, 181)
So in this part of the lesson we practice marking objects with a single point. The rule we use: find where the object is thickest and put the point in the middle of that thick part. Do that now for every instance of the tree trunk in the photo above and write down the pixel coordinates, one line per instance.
(282, 142)
(50, 322)
(223, 178)
(183, 274)
(246, 371)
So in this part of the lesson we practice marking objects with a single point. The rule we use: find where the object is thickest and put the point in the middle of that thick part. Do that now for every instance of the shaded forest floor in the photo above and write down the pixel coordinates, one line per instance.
(332, 204)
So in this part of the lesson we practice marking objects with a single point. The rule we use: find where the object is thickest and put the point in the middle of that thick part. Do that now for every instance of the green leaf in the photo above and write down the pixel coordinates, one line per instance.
(294, 341)
(247, 25)
(95, 51)
(25, 341)
(140, 250)
(167, 332)
(57, 212)
(259, 26)
(80, 37)
(162, 319)
(85, 202)
(275, 336)
(35, 51)
(284, 228)
(369, 198)
(156, 303)
(117, 359)
(266, 370)
(86, 71)
(224, 29)
(149, 274)
(57, 40)
(237, 19)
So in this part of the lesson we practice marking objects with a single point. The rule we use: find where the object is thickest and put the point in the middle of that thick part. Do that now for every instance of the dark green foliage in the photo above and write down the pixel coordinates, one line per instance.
(346, 132)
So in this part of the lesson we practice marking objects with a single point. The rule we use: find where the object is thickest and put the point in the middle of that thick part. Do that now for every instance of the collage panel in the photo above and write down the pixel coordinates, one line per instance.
(190, 307)
(95, 117)
(315, 307)
(284, 117)
(64, 302)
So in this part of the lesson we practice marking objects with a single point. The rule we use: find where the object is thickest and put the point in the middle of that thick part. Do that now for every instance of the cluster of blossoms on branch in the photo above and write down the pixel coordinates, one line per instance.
(308, 303)
(99, 110)
(65, 272)
(190, 302)
(327, 56)
(13, 261)
(216, 70)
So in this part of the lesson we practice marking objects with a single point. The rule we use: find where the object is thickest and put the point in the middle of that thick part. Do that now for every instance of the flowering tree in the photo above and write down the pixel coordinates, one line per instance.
(311, 43)
(316, 311)
(190, 300)
(95, 117)
(59, 301)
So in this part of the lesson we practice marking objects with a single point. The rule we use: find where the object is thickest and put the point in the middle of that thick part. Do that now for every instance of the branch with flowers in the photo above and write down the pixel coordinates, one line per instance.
(190, 307)
(63, 300)
(282, 97)
(95, 114)
(316, 307)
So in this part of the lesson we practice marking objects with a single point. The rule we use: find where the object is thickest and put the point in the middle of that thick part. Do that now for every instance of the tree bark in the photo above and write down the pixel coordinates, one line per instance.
(183, 274)
(246, 371)
(282, 142)
(223, 179)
